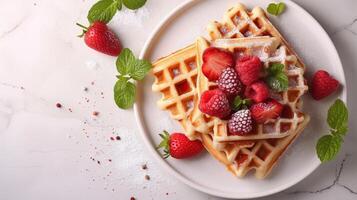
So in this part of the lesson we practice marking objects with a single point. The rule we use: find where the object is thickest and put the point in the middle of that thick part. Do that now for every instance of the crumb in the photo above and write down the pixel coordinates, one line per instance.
(98, 162)
(95, 113)
(167, 193)
(144, 167)
(147, 177)
(112, 138)
(110, 160)
(92, 83)
(58, 105)
(85, 89)
(70, 109)
(118, 137)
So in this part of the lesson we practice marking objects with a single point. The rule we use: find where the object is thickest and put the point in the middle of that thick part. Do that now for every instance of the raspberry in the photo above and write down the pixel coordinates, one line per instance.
(323, 84)
(215, 103)
(240, 123)
(229, 83)
(248, 69)
(258, 92)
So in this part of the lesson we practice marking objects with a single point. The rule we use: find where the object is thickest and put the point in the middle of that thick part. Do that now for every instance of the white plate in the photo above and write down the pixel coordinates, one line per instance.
(204, 173)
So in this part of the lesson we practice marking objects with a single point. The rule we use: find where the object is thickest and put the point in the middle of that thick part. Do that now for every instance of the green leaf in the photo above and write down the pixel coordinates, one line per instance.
(140, 69)
(327, 147)
(276, 77)
(337, 117)
(124, 93)
(341, 131)
(278, 82)
(103, 10)
(127, 64)
(120, 4)
(134, 4)
(276, 68)
(276, 8)
(239, 103)
(125, 61)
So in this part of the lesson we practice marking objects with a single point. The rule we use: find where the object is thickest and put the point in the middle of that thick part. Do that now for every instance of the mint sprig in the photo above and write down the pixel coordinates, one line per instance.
(276, 77)
(276, 8)
(130, 69)
(239, 103)
(329, 145)
(105, 10)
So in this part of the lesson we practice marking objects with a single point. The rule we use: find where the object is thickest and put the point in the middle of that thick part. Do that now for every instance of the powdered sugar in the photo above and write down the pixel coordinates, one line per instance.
(133, 18)
(92, 65)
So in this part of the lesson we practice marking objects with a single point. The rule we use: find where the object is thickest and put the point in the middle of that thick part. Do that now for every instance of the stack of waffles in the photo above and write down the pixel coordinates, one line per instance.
(180, 80)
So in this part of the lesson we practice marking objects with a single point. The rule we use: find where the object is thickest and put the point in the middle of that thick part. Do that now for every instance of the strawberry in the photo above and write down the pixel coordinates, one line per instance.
(99, 37)
(323, 84)
(214, 103)
(179, 146)
(240, 123)
(229, 83)
(262, 112)
(248, 69)
(258, 92)
(215, 61)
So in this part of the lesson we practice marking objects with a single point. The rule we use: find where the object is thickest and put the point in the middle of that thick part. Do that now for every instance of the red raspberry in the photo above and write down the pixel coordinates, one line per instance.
(323, 84)
(258, 92)
(229, 83)
(248, 69)
(240, 123)
(215, 103)
(262, 112)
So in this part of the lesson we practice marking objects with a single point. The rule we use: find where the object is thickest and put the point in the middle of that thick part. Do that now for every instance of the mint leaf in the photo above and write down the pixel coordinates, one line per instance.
(276, 78)
(140, 69)
(125, 61)
(239, 103)
(327, 147)
(276, 8)
(341, 131)
(134, 4)
(120, 5)
(103, 10)
(276, 68)
(337, 117)
(124, 93)
(127, 64)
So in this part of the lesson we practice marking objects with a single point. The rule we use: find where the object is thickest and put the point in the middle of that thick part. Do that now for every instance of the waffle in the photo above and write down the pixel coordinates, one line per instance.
(240, 23)
(175, 78)
(262, 157)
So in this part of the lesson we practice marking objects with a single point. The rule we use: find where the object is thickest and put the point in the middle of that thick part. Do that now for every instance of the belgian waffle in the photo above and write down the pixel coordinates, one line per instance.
(177, 74)
(175, 78)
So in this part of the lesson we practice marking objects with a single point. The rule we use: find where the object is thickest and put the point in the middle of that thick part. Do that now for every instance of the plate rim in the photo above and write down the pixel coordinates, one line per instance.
(145, 136)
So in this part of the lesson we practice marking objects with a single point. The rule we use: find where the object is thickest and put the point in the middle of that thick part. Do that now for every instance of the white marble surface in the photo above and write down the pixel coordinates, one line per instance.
(46, 152)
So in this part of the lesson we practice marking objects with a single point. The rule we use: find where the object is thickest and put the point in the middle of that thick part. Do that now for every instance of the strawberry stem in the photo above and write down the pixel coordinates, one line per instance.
(164, 144)
(82, 26)
(85, 29)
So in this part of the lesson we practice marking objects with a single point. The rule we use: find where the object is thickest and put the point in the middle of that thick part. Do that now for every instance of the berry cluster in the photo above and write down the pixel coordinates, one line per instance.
(237, 77)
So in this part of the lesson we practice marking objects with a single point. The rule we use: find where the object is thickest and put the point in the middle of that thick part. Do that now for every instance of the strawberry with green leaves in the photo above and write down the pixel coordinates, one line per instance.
(100, 38)
(178, 146)
(98, 35)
